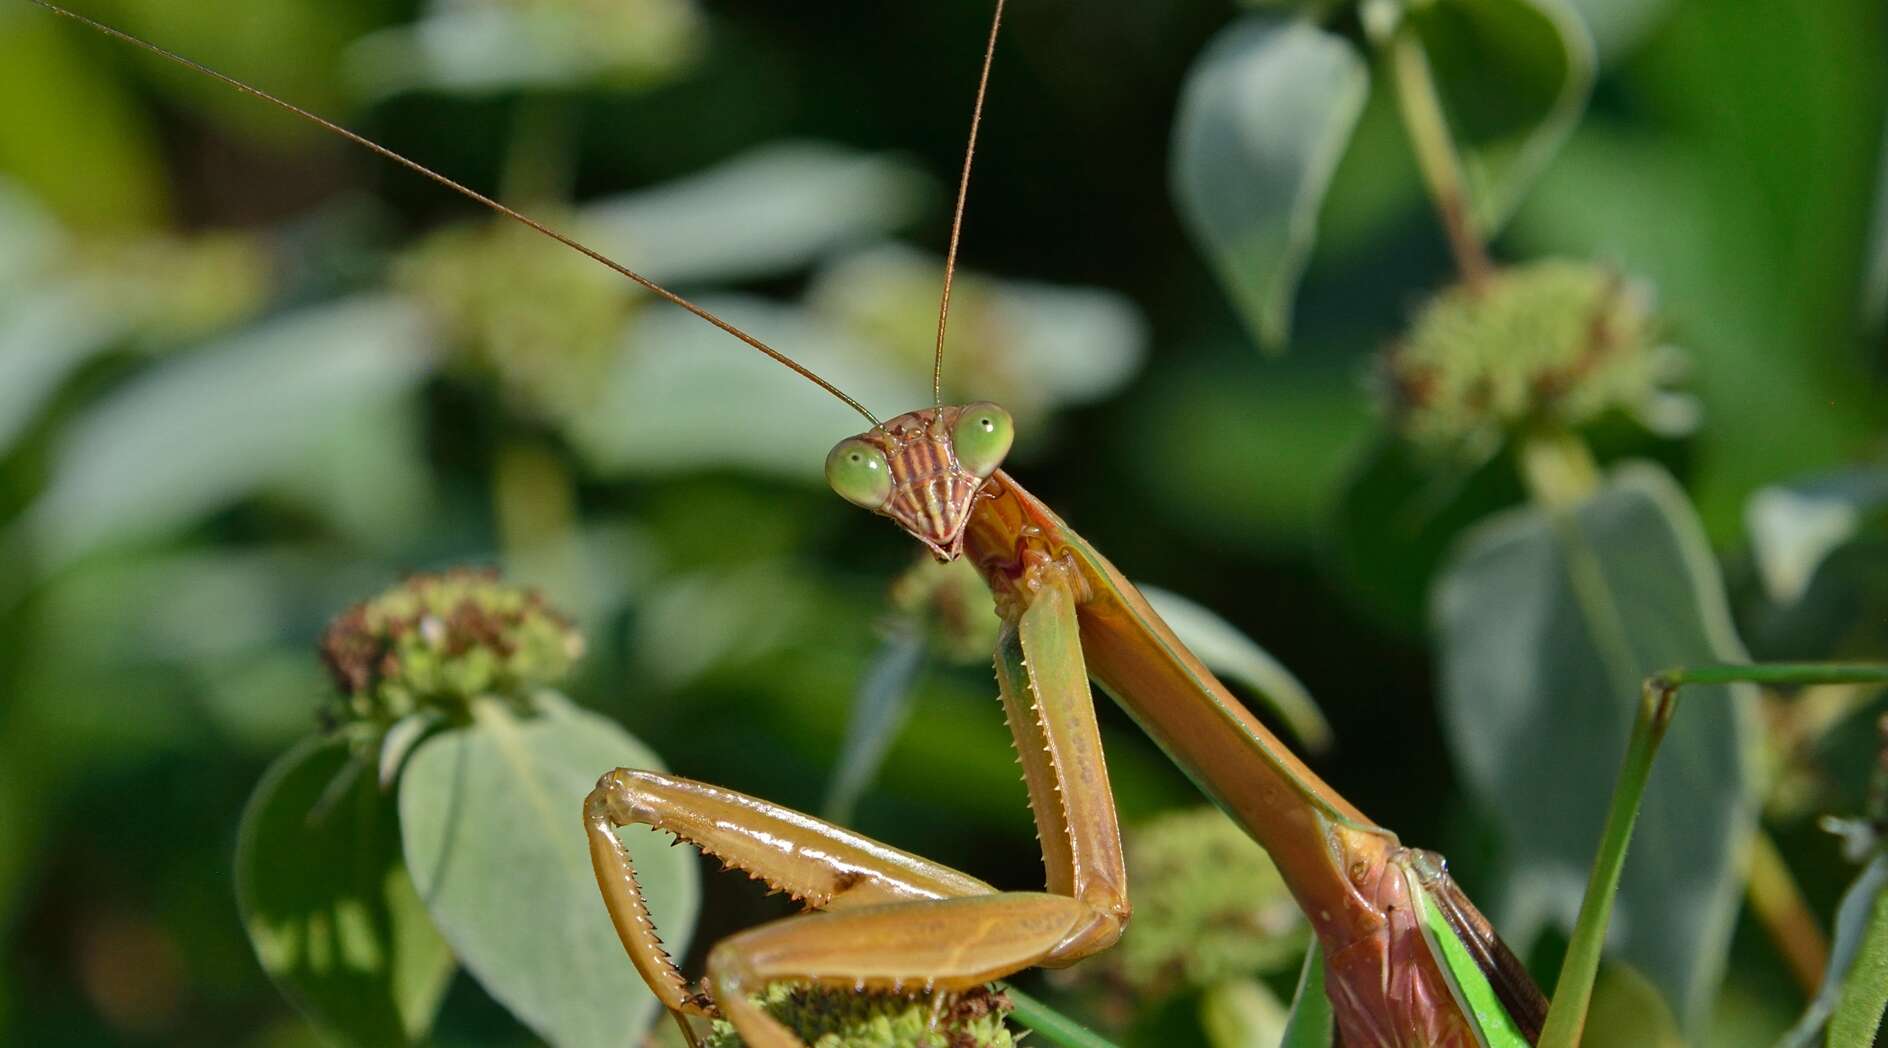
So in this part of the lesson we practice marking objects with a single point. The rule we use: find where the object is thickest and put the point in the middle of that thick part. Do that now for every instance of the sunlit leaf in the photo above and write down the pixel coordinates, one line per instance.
(1264, 117)
(200, 431)
(1227, 651)
(1514, 76)
(42, 341)
(1852, 923)
(1547, 626)
(328, 903)
(494, 45)
(1794, 527)
(1311, 1024)
(762, 213)
(490, 816)
(69, 134)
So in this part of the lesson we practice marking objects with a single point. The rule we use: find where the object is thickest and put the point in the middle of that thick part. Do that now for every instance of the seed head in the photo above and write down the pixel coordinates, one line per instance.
(439, 640)
(1554, 343)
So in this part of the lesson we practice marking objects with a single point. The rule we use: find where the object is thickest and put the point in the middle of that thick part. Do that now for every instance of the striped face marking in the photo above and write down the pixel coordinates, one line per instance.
(924, 469)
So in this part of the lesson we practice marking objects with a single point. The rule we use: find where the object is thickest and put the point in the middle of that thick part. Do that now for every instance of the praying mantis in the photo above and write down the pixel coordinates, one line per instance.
(1408, 958)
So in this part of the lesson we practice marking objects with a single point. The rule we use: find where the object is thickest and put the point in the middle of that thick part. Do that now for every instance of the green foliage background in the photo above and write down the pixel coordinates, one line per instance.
(226, 412)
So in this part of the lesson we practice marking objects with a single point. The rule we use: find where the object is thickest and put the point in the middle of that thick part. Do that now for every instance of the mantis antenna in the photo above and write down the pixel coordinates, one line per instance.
(957, 215)
(473, 194)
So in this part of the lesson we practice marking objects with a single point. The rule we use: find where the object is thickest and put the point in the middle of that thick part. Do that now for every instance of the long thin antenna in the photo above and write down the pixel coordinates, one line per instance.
(421, 169)
(957, 216)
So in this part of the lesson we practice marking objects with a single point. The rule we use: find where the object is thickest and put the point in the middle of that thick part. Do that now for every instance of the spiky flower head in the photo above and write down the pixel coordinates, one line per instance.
(950, 603)
(437, 641)
(837, 1018)
(1553, 344)
(1208, 906)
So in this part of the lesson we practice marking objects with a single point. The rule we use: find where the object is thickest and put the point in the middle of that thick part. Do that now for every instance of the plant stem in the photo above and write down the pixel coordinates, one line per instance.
(1428, 127)
(1054, 1027)
(1785, 914)
(1566, 1019)
(1558, 468)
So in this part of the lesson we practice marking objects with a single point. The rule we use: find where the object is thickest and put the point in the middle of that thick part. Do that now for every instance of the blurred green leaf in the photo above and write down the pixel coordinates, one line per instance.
(1627, 1012)
(763, 213)
(1875, 281)
(1858, 1013)
(1794, 527)
(199, 431)
(1399, 515)
(1241, 1013)
(1616, 26)
(328, 903)
(490, 817)
(484, 46)
(1311, 1024)
(43, 340)
(879, 711)
(69, 134)
(1547, 626)
(1854, 919)
(1514, 77)
(1227, 651)
(1264, 116)
(1250, 453)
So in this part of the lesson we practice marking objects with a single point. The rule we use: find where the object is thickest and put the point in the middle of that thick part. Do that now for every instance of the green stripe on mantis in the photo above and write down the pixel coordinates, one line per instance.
(1474, 994)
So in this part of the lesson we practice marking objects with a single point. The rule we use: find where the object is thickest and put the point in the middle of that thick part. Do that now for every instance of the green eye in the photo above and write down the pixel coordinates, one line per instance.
(982, 437)
(859, 473)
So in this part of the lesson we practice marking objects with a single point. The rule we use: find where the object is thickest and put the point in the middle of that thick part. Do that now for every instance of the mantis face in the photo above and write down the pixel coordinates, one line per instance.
(924, 468)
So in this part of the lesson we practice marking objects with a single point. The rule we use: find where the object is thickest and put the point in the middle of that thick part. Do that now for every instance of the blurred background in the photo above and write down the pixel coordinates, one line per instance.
(250, 375)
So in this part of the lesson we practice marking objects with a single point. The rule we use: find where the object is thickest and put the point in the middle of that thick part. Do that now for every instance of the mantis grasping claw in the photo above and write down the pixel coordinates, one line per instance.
(1408, 960)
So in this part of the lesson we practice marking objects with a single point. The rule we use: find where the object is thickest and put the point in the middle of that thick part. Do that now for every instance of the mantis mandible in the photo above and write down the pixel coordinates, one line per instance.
(1408, 959)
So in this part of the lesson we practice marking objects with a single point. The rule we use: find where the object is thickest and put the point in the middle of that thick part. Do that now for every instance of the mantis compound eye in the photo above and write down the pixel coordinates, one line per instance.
(982, 437)
(859, 473)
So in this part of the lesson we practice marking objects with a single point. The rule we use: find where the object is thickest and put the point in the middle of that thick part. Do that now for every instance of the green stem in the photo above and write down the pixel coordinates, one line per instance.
(1566, 1019)
(1779, 906)
(1428, 127)
(1054, 1027)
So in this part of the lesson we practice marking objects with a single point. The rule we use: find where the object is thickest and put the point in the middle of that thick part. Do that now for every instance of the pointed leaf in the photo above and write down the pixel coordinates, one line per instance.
(490, 814)
(1865, 988)
(1311, 1024)
(1227, 651)
(1859, 905)
(1265, 114)
(1547, 626)
(328, 903)
(879, 711)
(200, 431)
(1514, 76)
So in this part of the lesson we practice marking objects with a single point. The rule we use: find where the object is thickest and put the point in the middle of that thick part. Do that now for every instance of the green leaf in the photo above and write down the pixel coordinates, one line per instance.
(1875, 282)
(1865, 989)
(1795, 527)
(1514, 76)
(1264, 116)
(203, 430)
(1231, 653)
(879, 712)
(70, 134)
(1241, 1013)
(490, 814)
(328, 904)
(1312, 1025)
(1617, 26)
(1859, 904)
(1627, 1010)
(1547, 626)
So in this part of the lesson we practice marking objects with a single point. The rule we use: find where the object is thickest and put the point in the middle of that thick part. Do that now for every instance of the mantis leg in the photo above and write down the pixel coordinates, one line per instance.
(893, 920)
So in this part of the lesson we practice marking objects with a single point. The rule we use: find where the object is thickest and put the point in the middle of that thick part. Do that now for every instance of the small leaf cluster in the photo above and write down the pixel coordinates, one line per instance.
(840, 1018)
(438, 641)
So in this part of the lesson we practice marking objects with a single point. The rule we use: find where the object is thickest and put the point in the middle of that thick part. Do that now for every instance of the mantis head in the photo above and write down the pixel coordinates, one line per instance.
(924, 469)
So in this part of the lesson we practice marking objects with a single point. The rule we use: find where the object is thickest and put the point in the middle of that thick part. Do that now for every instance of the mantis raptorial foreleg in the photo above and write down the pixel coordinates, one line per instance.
(892, 920)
